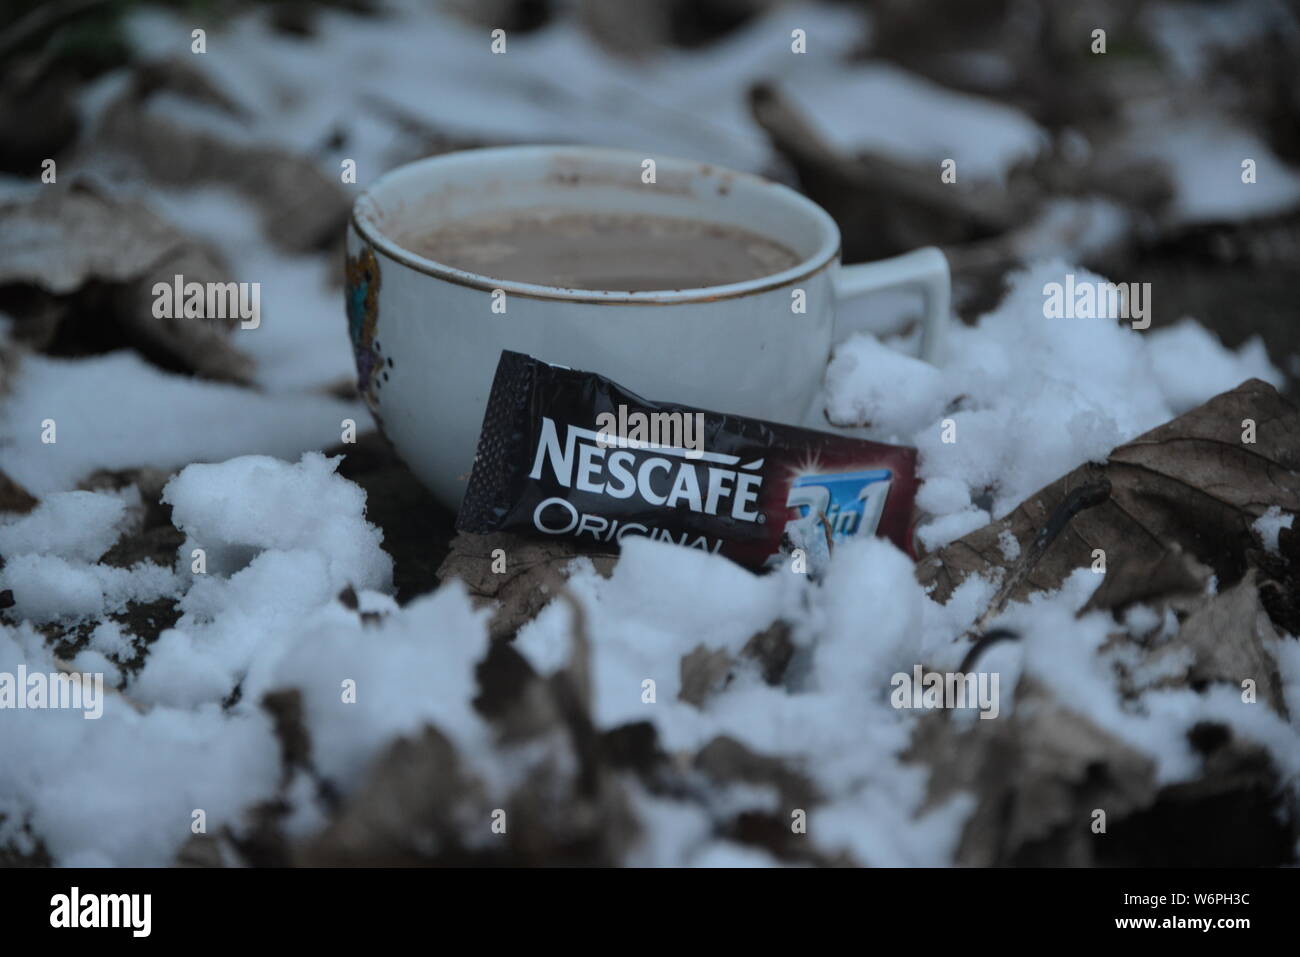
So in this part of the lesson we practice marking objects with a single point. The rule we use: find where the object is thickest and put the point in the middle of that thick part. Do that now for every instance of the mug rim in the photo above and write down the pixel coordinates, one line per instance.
(826, 253)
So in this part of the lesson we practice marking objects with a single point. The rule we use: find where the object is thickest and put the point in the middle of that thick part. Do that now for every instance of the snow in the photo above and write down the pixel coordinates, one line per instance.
(298, 538)
(1204, 157)
(287, 508)
(872, 618)
(110, 640)
(1079, 228)
(1269, 526)
(950, 527)
(1191, 34)
(117, 411)
(685, 103)
(727, 854)
(415, 666)
(123, 787)
(51, 558)
(47, 588)
(75, 525)
(1190, 364)
(1029, 398)
(866, 377)
(881, 108)
(1009, 545)
(697, 600)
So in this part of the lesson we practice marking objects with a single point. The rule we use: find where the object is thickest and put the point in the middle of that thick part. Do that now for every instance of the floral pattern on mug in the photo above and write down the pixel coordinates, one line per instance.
(363, 314)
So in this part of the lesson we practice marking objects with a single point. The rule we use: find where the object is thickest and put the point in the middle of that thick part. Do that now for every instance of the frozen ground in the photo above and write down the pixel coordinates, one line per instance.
(296, 591)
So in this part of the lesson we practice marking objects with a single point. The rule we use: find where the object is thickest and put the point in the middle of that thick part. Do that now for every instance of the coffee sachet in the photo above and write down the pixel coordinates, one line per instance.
(570, 454)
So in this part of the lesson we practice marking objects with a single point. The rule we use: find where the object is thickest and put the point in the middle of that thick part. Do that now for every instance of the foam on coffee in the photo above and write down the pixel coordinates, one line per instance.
(620, 252)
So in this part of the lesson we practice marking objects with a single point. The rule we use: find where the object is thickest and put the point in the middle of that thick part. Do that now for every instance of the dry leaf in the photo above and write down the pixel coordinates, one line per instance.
(86, 265)
(524, 587)
(1190, 485)
(302, 209)
(1040, 773)
(725, 762)
(512, 695)
(1238, 789)
(1036, 775)
(1176, 577)
(772, 649)
(15, 498)
(417, 807)
(1227, 635)
(703, 672)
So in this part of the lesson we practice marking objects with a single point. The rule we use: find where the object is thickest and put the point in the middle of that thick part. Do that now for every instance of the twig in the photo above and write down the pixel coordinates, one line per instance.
(982, 644)
(1080, 499)
(826, 527)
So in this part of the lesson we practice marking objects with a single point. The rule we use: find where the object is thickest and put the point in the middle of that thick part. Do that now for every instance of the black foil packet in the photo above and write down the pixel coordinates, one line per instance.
(571, 454)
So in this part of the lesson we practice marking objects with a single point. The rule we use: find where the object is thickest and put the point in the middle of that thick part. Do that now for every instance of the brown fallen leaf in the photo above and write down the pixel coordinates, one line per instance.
(1047, 73)
(1176, 577)
(63, 238)
(302, 209)
(413, 809)
(1190, 485)
(726, 762)
(635, 747)
(1039, 775)
(80, 268)
(206, 850)
(1078, 500)
(38, 112)
(1036, 775)
(1228, 636)
(285, 708)
(772, 650)
(568, 804)
(518, 578)
(512, 695)
(1279, 588)
(1238, 789)
(15, 498)
(704, 672)
(523, 704)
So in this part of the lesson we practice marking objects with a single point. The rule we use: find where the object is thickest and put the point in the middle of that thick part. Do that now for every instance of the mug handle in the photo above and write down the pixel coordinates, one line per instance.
(924, 270)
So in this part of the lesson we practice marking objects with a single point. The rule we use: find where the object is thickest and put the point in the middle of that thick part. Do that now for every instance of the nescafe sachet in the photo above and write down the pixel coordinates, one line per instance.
(570, 454)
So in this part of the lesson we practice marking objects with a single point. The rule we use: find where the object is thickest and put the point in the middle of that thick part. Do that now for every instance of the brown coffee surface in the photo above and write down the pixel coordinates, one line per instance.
(609, 251)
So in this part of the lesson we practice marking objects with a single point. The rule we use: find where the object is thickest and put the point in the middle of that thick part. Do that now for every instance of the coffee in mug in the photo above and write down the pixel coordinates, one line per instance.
(577, 249)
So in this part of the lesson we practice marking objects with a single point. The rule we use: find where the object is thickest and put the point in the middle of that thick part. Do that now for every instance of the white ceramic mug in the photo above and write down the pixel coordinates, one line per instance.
(427, 336)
